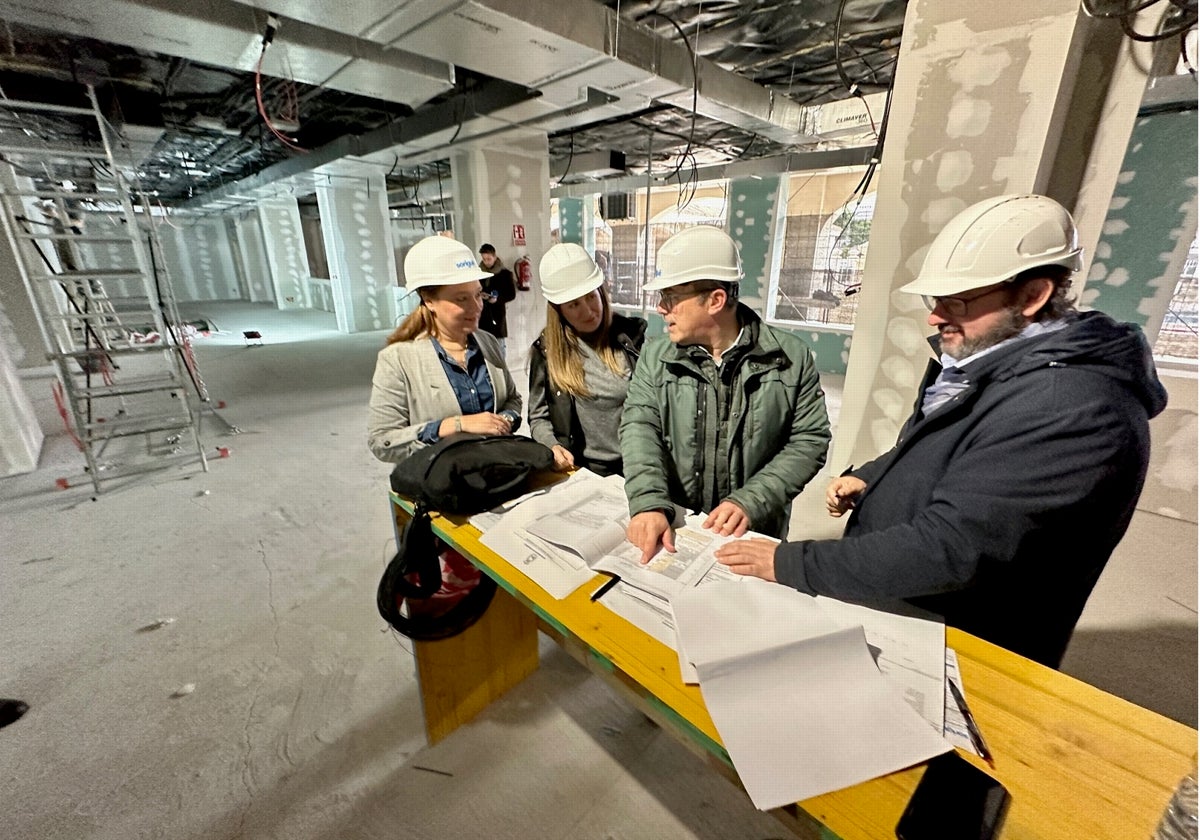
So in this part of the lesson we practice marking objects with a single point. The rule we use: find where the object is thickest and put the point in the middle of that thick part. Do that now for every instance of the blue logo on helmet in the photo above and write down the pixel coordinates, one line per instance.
(465, 264)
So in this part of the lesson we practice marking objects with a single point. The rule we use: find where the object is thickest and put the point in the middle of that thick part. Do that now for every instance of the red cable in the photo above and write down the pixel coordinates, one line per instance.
(262, 109)
(62, 412)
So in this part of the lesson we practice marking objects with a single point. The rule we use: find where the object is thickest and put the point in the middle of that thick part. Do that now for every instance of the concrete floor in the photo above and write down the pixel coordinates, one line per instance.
(253, 585)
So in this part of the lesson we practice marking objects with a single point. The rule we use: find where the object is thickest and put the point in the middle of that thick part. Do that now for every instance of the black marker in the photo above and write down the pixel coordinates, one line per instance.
(972, 726)
(607, 585)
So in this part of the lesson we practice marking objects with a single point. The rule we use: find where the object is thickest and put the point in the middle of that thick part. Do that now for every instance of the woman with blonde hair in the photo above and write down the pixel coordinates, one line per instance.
(438, 374)
(580, 365)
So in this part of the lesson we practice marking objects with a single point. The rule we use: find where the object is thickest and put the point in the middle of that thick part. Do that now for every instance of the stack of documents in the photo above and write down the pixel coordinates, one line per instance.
(808, 694)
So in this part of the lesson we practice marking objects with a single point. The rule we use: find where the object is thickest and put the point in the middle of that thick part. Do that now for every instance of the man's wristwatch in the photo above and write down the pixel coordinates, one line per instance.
(458, 423)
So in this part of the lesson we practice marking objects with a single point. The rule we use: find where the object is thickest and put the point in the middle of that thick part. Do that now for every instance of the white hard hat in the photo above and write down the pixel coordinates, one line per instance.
(702, 252)
(440, 261)
(568, 272)
(995, 240)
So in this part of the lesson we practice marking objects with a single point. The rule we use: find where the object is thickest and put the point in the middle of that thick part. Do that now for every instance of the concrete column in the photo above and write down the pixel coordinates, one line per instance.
(358, 245)
(18, 320)
(494, 189)
(757, 221)
(280, 218)
(198, 260)
(20, 435)
(256, 268)
(982, 95)
(1150, 224)
(577, 221)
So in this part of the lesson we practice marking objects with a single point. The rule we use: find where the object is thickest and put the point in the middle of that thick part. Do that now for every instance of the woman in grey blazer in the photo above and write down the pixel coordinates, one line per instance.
(438, 373)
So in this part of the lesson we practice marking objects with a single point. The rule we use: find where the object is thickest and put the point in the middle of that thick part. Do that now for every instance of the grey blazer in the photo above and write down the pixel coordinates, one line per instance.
(410, 388)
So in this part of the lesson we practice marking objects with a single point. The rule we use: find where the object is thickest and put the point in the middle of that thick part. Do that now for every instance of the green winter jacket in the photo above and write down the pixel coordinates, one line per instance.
(777, 424)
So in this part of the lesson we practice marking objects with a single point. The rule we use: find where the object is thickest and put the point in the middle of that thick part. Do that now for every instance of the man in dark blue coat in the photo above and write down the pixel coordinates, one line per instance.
(1019, 470)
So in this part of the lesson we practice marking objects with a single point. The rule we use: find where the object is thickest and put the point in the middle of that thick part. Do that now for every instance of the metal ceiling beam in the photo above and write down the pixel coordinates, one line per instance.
(491, 96)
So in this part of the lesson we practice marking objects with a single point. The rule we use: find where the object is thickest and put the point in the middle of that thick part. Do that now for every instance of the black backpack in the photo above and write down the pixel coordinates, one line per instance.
(463, 473)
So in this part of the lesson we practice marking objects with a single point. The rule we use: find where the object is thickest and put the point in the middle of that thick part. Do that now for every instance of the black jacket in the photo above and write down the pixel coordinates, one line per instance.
(627, 334)
(495, 317)
(1000, 509)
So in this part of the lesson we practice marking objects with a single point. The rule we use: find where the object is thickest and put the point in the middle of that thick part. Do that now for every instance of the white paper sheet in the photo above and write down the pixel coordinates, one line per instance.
(910, 652)
(484, 521)
(796, 696)
(557, 571)
(649, 613)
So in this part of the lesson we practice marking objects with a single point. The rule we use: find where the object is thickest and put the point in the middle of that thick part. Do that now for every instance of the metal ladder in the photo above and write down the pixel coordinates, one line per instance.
(124, 363)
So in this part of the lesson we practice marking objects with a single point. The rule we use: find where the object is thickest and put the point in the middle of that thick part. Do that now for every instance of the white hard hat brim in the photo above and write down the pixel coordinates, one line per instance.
(465, 277)
(715, 275)
(942, 284)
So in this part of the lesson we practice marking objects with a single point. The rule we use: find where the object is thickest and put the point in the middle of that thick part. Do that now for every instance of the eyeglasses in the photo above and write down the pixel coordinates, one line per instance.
(668, 299)
(956, 307)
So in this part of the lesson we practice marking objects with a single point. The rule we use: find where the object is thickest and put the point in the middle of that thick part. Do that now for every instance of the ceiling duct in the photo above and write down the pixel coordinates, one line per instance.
(562, 48)
(600, 164)
(227, 34)
(856, 117)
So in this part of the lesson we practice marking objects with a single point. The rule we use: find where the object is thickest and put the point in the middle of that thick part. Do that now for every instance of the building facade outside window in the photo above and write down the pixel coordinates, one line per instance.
(1177, 337)
(824, 250)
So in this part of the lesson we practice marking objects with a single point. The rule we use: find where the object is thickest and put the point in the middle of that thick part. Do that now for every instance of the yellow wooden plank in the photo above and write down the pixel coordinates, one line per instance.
(460, 676)
(1077, 761)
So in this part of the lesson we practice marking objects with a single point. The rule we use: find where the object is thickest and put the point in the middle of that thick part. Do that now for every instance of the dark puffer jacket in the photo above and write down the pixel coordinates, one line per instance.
(558, 406)
(1000, 509)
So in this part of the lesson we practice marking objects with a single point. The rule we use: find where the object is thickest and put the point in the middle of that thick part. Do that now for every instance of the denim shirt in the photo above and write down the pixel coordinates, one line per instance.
(472, 387)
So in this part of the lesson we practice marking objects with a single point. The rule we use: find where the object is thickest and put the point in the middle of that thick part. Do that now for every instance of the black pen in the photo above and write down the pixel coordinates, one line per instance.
(607, 585)
(972, 727)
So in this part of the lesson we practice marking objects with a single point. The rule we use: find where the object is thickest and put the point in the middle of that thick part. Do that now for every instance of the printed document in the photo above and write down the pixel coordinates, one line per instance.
(795, 694)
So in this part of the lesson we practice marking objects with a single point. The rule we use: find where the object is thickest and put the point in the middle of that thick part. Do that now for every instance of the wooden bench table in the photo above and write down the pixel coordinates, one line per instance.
(1079, 763)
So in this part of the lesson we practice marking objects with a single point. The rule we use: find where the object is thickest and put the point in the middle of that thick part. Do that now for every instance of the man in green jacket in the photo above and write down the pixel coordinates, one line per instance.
(725, 414)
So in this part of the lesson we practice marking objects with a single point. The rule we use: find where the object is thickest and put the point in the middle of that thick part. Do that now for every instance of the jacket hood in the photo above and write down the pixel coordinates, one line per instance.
(1095, 342)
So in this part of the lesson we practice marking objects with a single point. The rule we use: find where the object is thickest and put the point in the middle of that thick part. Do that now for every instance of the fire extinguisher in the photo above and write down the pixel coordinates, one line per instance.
(524, 272)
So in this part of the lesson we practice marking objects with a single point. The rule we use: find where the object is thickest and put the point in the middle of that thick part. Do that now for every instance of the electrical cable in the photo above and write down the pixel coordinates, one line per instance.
(441, 195)
(462, 115)
(1184, 11)
(1090, 10)
(570, 160)
(267, 38)
(1162, 35)
(695, 85)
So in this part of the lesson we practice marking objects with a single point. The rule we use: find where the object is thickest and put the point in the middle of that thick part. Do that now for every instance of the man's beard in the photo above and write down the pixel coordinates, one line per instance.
(1014, 321)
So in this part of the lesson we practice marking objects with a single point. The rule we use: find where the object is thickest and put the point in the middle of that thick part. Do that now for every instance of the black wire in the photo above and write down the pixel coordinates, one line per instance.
(1091, 11)
(837, 47)
(441, 195)
(1186, 13)
(462, 115)
(1179, 318)
(570, 160)
(1182, 29)
(695, 87)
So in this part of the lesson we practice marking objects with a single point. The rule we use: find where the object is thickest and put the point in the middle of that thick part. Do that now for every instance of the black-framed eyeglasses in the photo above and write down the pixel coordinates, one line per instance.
(957, 307)
(668, 299)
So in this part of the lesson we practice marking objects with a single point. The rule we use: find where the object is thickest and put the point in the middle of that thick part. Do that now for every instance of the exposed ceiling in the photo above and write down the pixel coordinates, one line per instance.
(186, 97)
